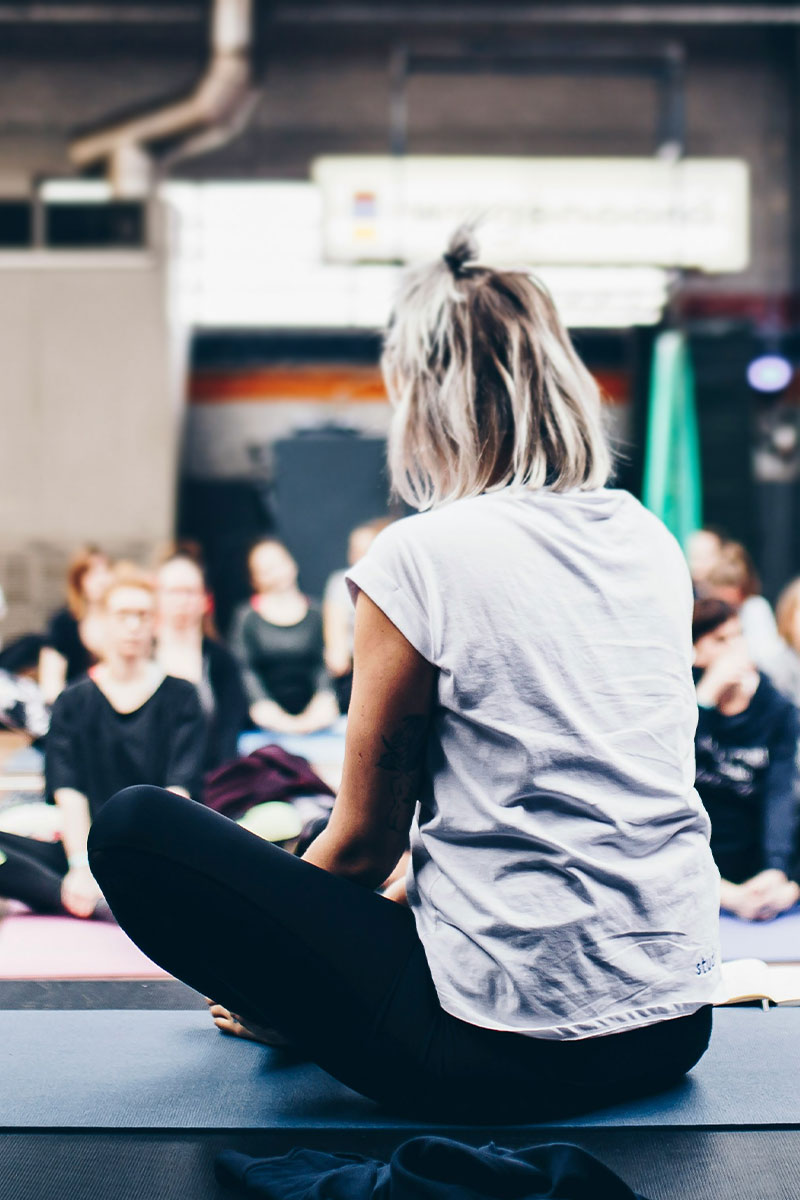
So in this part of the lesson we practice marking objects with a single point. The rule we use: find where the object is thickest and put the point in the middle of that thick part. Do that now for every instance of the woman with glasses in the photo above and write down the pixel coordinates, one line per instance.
(125, 723)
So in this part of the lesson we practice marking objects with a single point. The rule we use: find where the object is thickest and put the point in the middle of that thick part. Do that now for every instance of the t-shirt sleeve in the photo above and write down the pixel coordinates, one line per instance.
(336, 591)
(62, 758)
(187, 741)
(240, 648)
(392, 574)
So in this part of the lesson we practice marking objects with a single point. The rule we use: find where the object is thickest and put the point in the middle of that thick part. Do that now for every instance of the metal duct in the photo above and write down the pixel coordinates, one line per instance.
(215, 111)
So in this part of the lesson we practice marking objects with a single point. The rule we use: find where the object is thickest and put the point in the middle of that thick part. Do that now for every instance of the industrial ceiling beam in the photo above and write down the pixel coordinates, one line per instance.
(539, 14)
(102, 14)
(300, 14)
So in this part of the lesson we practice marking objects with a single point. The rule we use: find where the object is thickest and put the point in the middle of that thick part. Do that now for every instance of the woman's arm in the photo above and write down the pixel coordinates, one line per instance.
(320, 713)
(387, 733)
(186, 734)
(52, 674)
(336, 626)
(79, 890)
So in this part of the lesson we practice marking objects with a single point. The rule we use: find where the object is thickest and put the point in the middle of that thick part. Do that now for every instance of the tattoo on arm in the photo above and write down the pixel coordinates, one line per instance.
(403, 757)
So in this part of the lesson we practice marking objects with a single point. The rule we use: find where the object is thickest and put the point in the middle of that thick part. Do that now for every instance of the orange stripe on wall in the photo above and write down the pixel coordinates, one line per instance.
(350, 385)
(320, 384)
(615, 386)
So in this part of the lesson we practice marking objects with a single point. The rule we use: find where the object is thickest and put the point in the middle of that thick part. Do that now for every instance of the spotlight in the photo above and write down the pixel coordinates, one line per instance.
(769, 373)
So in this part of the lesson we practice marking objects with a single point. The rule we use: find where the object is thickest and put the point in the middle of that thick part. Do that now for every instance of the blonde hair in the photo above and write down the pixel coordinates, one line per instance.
(733, 567)
(786, 611)
(487, 388)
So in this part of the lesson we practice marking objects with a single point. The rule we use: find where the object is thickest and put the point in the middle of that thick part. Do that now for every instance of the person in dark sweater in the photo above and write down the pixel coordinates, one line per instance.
(185, 650)
(278, 639)
(126, 723)
(745, 747)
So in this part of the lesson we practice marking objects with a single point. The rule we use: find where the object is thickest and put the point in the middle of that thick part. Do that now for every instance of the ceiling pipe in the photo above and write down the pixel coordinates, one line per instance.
(539, 14)
(98, 14)
(216, 111)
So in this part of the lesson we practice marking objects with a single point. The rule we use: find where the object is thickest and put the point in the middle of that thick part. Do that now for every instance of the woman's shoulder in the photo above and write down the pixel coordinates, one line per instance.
(175, 695)
(78, 697)
(171, 687)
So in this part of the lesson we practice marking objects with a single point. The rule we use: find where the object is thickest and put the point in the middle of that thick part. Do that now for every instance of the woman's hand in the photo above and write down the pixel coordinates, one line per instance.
(767, 895)
(321, 713)
(80, 892)
(397, 892)
(270, 716)
(732, 671)
(761, 898)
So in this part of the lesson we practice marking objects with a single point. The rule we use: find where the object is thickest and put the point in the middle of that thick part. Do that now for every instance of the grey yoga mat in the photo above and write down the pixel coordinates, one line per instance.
(173, 1070)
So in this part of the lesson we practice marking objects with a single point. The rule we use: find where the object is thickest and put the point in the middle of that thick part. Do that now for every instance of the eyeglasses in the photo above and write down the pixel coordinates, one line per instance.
(131, 614)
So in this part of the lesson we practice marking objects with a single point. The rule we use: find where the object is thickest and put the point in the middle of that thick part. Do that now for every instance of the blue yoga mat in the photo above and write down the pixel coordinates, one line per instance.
(772, 941)
(327, 745)
(173, 1070)
(25, 761)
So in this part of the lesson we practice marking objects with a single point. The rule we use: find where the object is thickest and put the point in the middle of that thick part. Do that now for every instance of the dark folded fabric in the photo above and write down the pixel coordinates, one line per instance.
(428, 1168)
(267, 774)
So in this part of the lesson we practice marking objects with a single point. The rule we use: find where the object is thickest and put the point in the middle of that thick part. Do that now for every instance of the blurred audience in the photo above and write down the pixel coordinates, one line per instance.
(702, 549)
(732, 577)
(277, 637)
(73, 641)
(185, 650)
(22, 706)
(338, 612)
(746, 774)
(125, 723)
(785, 669)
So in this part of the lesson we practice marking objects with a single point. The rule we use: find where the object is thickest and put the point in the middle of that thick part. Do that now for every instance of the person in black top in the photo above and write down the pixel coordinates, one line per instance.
(128, 723)
(745, 748)
(72, 643)
(184, 649)
(278, 639)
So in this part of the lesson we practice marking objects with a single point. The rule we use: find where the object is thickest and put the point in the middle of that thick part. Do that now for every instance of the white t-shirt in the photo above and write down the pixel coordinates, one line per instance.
(561, 879)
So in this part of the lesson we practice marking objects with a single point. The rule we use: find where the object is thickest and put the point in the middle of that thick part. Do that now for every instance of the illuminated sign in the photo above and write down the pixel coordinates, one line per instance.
(692, 213)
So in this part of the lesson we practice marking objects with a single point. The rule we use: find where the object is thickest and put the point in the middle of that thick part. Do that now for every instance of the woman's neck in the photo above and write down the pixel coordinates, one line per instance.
(121, 670)
(180, 653)
(282, 608)
(188, 638)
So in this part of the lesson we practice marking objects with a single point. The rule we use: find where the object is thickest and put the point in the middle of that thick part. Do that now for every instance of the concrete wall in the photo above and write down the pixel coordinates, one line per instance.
(89, 418)
(87, 386)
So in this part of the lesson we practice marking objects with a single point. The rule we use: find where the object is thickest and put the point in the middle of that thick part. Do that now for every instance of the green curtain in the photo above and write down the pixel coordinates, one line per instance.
(672, 487)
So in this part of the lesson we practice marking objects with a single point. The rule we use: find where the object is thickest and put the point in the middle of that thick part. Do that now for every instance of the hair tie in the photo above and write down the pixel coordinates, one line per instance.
(454, 263)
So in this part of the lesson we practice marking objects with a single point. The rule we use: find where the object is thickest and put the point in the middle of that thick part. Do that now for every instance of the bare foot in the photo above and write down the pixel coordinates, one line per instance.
(231, 1024)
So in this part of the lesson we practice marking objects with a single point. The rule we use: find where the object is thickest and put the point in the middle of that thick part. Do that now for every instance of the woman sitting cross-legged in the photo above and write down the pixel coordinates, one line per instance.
(126, 723)
(277, 638)
(523, 706)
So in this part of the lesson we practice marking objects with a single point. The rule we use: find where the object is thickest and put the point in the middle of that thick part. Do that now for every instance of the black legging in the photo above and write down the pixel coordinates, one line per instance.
(341, 972)
(33, 872)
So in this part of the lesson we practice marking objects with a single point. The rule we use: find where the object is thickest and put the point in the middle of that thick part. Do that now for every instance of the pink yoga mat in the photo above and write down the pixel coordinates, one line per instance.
(33, 947)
